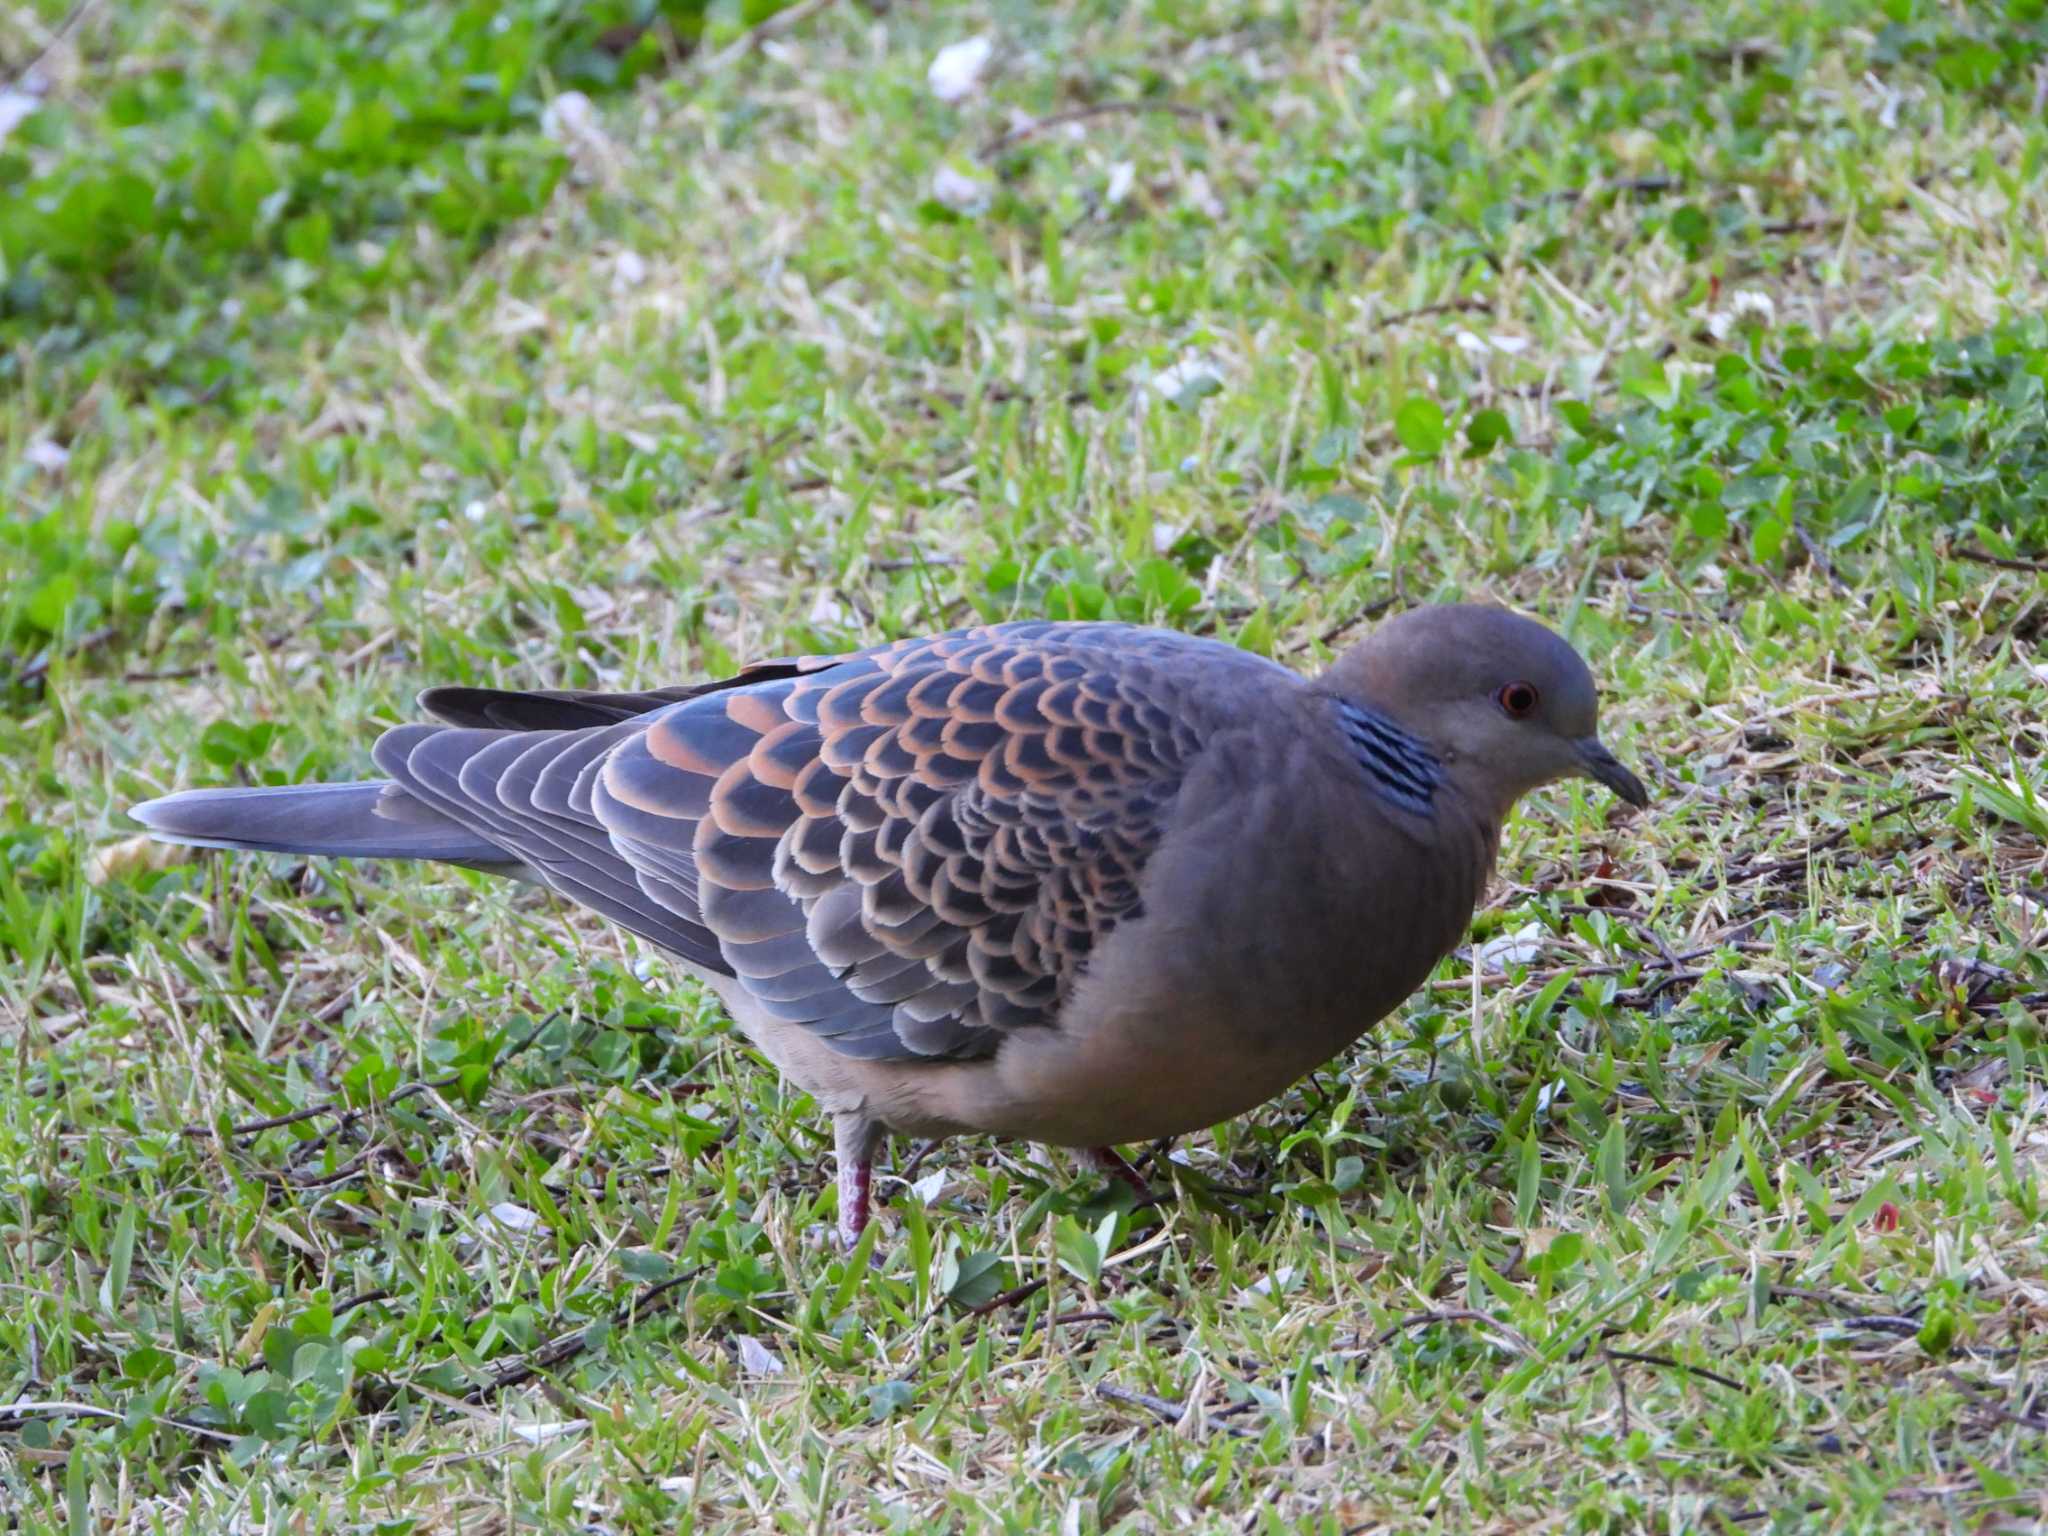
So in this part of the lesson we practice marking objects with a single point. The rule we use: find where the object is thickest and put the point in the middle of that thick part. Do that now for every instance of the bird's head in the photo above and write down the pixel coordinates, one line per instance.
(1507, 705)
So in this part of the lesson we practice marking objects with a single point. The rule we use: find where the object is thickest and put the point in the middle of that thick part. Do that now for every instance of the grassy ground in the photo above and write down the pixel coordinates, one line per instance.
(382, 1200)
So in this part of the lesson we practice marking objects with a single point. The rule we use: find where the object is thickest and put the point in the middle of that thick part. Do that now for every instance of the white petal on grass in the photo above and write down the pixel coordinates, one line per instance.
(930, 1187)
(1202, 197)
(1184, 383)
(16, 108)
(956, 69)
(541, 1434)
(960, 191)
(1517, 948)
(1122, 177)
(516, 1218)
(1888, 111)
(570, 118)
(50, 457)
(1752, 304)
(629, 270)
(756, 1358)
(1269, 1284)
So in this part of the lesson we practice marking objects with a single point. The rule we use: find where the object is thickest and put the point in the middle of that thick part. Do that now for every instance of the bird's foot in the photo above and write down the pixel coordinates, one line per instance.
(856, 1198)
(1110, 1162)
(855, 1139)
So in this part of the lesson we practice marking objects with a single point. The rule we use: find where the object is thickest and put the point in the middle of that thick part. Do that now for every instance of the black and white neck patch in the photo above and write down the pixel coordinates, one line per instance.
(1399, 766)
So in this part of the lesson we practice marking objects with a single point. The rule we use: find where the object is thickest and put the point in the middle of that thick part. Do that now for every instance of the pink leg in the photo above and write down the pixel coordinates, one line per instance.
(1109, 1161)
(854, 1139)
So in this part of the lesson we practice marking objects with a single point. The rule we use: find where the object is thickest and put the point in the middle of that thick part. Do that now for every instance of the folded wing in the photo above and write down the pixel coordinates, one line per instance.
(908, 851)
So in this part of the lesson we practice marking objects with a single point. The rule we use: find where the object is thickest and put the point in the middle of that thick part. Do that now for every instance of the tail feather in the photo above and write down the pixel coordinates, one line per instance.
(373, 819)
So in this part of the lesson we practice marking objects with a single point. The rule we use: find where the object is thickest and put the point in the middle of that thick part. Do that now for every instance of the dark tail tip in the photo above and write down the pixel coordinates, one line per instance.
(373, 819)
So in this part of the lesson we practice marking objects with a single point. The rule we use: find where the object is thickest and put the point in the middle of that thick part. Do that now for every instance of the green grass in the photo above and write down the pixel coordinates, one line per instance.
(1723, 348)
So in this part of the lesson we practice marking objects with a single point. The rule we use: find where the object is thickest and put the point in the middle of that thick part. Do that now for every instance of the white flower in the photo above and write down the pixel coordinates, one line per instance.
(956, 69)
(16, 108)
(570, 117)
(629, 270)
(959, 191)
(1271, 1284)
(1122, 176)
(516, 1218)
(1508, 346)
(541, 1433)
(1187, 381)
(50, 457)
(1517, 948)
(1749, 303)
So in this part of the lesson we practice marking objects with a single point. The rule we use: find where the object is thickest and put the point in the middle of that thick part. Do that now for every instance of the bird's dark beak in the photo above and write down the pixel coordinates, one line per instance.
(1601, 764)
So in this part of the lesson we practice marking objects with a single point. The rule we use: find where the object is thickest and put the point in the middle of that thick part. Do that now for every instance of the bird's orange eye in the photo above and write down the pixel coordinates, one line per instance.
(1517, 699)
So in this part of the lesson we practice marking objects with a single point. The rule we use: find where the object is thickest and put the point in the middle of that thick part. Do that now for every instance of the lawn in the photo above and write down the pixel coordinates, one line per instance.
(350, 348)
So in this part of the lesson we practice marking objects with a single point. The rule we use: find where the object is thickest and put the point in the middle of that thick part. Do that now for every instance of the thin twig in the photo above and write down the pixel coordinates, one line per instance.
(1639, 186)
(348, 1115)
(570, 1345)
(291, 1179)
(1833, 1299)
(253, 1127)
(1643, 924)
(1344, 626)
(26, 1409)
(64, 29)
(782, 21)
(1165, 1409)
(2003, 562)
(1009, 1298)
(39, 669)
(1646, 962)
(1492, 1325)
(1038, 125)
(1832, 840)
(1990, 1400)
(1677, 1365)
(1751, 1516)
(275, 642)
(1422, 311)
(917, 1158)
(1819, 557)
(1879, 1322)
